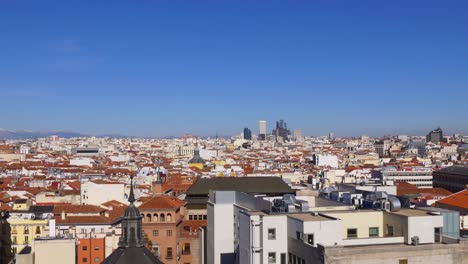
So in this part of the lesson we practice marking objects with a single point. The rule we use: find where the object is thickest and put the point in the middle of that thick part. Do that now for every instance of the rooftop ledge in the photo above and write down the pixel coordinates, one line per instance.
(373, 241)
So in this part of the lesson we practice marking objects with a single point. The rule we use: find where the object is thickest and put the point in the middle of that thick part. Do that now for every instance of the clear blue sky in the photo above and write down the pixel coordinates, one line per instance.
(159, 68)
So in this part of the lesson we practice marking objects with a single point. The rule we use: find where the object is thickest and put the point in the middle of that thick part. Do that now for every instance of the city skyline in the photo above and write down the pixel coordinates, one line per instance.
(159, 68)
(25, 134)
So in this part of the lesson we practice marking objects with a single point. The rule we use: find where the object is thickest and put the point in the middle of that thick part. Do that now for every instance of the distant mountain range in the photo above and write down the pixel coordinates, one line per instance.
(25, 134)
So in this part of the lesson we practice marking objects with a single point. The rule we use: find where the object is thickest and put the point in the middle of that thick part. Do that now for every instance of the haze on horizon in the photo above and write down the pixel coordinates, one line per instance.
(164, 68)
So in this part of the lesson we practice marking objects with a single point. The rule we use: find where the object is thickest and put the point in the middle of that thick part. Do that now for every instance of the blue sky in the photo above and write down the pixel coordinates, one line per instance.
(160, 68)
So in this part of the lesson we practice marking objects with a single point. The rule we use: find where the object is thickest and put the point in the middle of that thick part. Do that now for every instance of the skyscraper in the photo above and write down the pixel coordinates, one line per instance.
(435, 136)
(281, 131)
(297, 134)
(262, 128)
(247, 134)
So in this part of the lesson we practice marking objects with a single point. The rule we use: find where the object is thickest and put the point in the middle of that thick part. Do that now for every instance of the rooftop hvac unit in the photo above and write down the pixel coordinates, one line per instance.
(415, 241)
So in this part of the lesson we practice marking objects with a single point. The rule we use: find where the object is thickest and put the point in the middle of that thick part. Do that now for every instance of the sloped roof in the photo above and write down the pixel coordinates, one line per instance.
(458, 170)
(140, 255)
(253, 185)
(459, 199)
(161, 202)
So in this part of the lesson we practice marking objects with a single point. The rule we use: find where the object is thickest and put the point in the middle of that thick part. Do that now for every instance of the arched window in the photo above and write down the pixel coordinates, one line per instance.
(169, 218)
(161, 218)
(155, 217)
(148, 218)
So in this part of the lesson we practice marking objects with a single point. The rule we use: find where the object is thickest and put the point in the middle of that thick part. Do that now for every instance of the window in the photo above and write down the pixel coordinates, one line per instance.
(162, 218)
(283, 258)
(271, 257)
(205, 217)
(85, 248)
(169, 233)
(155, 232)
(310, 239)
(186, 249)
(26, 239)
(156, 251)
(373, 231)
(169, 218)
(38, 230)
(96, 248)
(389, 230)
(190, 217)
(169, 253)
(352, 233)
(148, 218)
(271, 234)
(97, 260)
(155, 217)
(299, 235)
(403, 261)
(85, 260)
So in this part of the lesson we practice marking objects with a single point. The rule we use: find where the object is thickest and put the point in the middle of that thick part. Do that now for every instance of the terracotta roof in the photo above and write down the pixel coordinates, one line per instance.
(459, 199)
(76, 209)
(85, 220)
(424, 191)
(161, 202)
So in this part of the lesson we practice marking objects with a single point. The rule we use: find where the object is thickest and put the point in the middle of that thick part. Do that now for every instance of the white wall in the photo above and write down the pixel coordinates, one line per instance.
(423, 227)
(278, 245)
(97, 194)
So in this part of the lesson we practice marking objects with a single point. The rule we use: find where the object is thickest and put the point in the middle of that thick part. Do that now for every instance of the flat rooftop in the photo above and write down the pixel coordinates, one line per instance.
(307, 217)
(410, 212)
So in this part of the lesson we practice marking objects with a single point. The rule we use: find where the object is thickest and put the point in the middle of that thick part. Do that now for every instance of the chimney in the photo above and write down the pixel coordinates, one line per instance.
(157, 188)
(106, 214)
(63, 215)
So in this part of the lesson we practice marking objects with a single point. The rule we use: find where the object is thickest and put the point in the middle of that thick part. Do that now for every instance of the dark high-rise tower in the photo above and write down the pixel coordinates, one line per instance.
(281, 130)
(435, 136)
(247, 134)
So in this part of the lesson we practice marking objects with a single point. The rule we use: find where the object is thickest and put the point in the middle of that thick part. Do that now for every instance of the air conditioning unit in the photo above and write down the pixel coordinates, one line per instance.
(415, 241)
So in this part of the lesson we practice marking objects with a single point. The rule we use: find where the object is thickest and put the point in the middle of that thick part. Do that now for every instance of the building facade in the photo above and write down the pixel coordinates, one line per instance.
(453, 178)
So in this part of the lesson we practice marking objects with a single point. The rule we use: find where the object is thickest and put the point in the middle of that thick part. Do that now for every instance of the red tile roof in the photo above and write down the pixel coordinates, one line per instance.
(459, 199)
(161, 202)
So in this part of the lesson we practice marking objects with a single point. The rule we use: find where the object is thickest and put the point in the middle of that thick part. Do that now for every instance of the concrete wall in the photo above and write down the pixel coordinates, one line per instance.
(355, 220)
(423, 227)
(97, 194)
(278, 245)
(422, 254)
(56, 251)
(245, 245)
(221, 233)
(399, 223)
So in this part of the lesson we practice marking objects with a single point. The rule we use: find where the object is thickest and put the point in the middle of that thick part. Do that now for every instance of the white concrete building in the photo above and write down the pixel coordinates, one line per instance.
(323, 160)
(98, 192)
(244, 229)
(421, 177)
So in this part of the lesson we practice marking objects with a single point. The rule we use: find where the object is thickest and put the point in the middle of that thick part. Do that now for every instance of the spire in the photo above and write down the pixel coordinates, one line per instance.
(131, 197)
